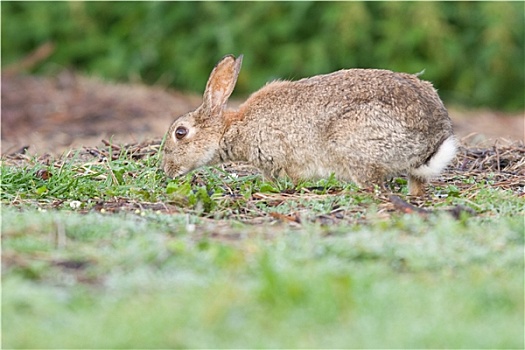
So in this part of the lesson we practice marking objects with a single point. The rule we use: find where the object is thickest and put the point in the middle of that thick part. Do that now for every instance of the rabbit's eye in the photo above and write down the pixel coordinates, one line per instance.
(181, 132)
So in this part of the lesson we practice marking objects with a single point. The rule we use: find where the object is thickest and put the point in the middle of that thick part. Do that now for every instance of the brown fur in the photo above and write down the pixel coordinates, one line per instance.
(363, 125)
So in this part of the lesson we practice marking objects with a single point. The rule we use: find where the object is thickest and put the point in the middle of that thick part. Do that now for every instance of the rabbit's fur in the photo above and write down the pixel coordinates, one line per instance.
(362, 125)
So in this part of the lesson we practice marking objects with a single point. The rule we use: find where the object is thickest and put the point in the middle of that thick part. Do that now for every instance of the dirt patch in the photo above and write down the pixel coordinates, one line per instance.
(482, 127)
(54, 114)
(71, 111)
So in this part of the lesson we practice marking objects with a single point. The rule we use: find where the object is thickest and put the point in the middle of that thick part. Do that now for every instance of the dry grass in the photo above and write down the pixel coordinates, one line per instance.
(500, 166)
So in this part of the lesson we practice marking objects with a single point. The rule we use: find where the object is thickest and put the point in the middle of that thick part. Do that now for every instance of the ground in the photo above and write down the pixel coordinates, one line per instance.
(55, 114)
(101, 250)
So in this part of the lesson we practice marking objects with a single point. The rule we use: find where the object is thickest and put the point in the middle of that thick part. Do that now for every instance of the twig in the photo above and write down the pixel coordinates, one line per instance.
(39, 54)
(498, 163)
(21, 150)
(405, 207)
(408, 208)
(288, 218)
(109, 144)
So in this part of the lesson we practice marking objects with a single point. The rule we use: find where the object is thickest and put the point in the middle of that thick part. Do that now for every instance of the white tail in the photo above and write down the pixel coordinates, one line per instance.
(438, 162)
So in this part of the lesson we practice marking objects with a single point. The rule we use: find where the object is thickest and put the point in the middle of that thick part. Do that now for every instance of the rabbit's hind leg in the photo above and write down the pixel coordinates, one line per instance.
(416, 186)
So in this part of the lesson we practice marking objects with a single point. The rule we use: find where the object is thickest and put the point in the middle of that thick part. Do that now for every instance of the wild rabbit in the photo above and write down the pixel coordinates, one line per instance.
(362, 125)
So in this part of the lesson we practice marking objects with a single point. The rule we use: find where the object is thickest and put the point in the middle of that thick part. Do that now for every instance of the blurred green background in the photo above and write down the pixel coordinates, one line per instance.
(473, 52)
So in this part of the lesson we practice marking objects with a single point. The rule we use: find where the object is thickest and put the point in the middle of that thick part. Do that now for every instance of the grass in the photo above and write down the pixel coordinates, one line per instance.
(101, 250)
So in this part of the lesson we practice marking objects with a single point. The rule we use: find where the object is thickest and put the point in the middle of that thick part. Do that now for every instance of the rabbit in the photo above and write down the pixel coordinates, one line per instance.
(362, 125)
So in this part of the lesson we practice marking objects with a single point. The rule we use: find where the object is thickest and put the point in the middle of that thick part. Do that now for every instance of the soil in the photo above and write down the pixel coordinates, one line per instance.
(55, 114)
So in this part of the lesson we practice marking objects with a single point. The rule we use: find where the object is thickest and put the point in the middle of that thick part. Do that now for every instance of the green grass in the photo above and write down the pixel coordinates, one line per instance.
(142, 261)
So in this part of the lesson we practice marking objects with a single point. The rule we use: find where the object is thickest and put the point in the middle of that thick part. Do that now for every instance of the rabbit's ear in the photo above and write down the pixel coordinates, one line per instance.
(221, 83)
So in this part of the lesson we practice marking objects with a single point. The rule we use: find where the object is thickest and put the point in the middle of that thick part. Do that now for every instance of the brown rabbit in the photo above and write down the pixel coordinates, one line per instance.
(362, 125)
